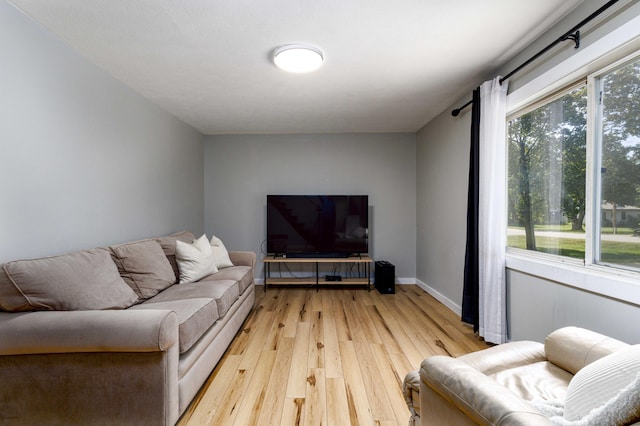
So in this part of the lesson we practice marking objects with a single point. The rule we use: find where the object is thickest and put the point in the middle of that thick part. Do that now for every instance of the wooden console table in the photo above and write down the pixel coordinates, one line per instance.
(317, 280)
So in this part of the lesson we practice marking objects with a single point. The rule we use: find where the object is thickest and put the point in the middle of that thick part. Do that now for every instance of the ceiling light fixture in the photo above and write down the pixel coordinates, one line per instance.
(298, 58)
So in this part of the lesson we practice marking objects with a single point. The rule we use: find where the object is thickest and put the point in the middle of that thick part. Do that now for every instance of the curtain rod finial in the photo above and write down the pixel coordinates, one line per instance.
(457, 111)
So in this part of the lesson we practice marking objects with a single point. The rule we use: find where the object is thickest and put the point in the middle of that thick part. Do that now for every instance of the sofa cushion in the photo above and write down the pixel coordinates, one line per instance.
(195, 260)
(144, 267)
(195, 317)
(538, 380)
(599, 386)
(81, 280)
(220, 253)
(224, 292)
(168, 244)
(242, 274)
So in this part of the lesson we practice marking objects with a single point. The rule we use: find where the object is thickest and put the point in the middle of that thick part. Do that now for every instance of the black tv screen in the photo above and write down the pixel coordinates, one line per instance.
(317, 225)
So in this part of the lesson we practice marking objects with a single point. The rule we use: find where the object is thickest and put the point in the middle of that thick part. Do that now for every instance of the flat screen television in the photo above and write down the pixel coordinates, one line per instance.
(317, 225)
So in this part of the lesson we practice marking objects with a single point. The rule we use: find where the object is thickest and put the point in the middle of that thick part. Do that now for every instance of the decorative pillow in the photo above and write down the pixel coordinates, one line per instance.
(82, 280)
(608, 385)
(195, 261)
(220, 253)
(613, 413)
(144, 267)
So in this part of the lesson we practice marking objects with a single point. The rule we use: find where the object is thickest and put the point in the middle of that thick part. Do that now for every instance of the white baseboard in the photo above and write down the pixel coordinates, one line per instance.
(440, 297)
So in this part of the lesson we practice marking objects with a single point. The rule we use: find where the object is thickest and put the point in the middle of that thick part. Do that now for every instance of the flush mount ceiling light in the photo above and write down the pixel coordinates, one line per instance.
(298, 58)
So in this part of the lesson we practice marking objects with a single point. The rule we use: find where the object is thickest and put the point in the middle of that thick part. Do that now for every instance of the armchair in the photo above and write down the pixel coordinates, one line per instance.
(577, 377)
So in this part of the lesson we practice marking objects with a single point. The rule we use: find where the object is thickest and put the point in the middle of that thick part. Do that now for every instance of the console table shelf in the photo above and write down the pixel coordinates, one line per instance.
(317, 280)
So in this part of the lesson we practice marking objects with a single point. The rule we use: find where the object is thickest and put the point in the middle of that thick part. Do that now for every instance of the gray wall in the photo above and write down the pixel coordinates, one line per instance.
(536, 306)
(240, 170)
(85, 161)
(442, 181)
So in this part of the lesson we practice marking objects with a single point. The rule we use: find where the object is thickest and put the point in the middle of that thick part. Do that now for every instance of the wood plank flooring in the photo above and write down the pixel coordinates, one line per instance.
(332, 357)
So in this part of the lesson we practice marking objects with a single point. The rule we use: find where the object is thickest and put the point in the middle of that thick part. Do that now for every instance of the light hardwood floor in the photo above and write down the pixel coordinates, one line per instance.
(332, 357)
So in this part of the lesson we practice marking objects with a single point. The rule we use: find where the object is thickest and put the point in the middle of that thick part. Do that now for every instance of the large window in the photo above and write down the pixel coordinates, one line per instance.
(617, 145)
(547, 175)
(549, 195)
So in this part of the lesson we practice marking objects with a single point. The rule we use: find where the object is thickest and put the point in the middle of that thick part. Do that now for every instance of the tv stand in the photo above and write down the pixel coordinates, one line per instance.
(322, 255)
(317, 280)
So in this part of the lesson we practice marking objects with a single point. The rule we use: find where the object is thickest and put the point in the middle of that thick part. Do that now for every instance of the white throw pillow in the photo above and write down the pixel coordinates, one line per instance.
(195, 261)
(622, 409)
(220, 253)
(611, 381)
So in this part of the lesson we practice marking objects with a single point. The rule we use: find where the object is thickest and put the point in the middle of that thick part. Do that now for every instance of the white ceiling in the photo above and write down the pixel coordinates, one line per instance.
(390, 66)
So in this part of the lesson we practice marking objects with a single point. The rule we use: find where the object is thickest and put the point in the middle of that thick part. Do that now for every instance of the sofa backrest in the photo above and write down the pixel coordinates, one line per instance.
(168, 245)
(13, 298)
(144, 267)
(82, 280)
(9, 294)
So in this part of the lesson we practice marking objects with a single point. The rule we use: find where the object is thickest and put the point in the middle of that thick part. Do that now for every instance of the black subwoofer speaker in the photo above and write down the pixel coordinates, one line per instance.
(385, 277)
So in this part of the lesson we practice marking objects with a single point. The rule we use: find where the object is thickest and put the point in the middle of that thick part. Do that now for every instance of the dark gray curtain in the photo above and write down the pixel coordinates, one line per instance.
(470, 298)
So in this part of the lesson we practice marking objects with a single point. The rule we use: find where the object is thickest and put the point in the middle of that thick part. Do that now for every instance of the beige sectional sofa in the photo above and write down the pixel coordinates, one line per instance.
(577, 377)
(108, 336)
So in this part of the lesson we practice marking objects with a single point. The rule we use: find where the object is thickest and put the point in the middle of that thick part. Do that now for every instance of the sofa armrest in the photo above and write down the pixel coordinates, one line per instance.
(502, 357)
(411, 392)
(87, 331)
(479, 397)
(243, 258)
(572, 348)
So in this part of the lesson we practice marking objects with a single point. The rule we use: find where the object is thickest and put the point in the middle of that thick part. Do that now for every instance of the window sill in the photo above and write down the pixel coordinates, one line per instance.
(606, 281)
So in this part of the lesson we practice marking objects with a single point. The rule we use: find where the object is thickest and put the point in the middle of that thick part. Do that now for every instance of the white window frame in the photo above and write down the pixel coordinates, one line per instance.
(604, 53)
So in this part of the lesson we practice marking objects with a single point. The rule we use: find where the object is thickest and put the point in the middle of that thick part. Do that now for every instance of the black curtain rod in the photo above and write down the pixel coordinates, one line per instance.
(573, 34)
